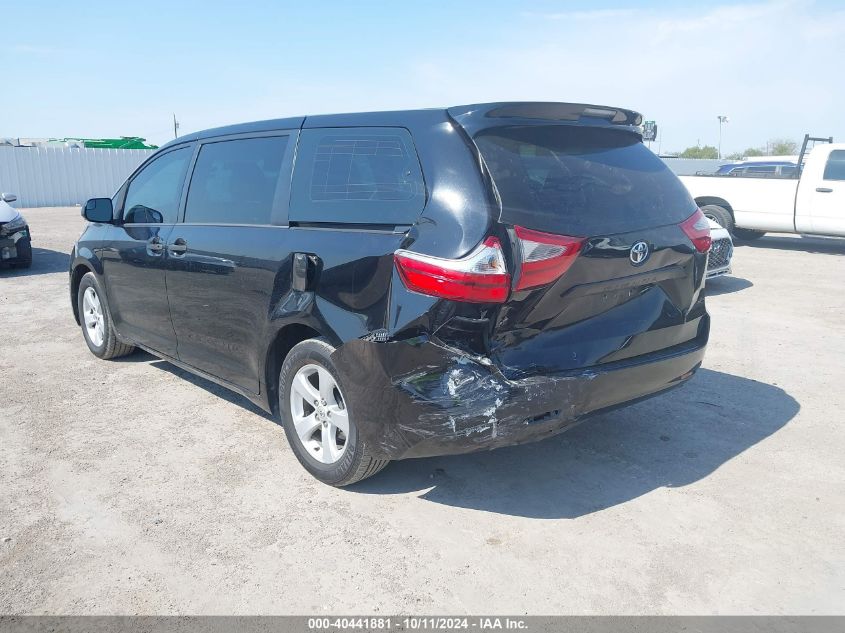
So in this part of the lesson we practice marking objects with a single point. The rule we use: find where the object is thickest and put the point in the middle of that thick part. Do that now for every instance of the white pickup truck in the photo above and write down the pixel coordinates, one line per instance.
(813, 203)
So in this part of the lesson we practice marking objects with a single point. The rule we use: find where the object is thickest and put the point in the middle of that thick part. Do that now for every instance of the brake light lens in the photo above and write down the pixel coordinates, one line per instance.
(697, 228)
(480, 277)
(545, 256)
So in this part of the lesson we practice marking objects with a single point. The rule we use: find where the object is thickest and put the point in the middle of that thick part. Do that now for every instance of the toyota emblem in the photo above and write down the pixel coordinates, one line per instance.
(639, 253)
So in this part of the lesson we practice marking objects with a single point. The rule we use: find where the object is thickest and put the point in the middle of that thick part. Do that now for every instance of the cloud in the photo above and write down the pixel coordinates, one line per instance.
(766, 64)
(723, 18)
(771, 66)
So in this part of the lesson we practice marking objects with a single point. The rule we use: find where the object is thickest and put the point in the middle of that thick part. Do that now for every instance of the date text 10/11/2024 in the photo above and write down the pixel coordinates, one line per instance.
(420, 623)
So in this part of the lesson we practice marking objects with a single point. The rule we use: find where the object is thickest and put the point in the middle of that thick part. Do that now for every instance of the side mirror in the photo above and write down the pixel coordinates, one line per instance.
(139, 214)
(98, 210)
(8, 197)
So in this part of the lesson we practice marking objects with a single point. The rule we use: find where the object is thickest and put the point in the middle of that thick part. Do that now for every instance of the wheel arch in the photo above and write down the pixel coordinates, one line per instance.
(79, 270)
(721, 202)
(283, 341)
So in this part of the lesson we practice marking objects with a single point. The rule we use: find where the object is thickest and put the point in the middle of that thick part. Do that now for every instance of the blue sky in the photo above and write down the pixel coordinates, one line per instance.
(101, 69)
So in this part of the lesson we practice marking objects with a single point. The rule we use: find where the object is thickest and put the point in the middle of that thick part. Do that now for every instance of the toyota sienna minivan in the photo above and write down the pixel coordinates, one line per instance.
(406, 284)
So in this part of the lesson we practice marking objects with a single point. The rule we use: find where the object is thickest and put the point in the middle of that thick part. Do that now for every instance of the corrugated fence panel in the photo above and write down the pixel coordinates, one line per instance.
(692, 166)
(60, 176)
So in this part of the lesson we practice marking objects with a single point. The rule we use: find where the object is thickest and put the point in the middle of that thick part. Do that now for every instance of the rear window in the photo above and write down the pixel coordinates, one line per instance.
(581, 181)
(835, 167)
(359, 175)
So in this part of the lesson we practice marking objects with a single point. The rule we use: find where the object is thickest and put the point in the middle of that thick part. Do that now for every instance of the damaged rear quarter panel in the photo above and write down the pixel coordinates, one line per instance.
(414, 396)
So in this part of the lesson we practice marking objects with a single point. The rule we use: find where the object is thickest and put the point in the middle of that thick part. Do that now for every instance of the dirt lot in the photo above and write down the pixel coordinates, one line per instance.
(130, 487)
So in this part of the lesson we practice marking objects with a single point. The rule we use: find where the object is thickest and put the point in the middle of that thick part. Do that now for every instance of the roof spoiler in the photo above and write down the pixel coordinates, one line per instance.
(479, 116)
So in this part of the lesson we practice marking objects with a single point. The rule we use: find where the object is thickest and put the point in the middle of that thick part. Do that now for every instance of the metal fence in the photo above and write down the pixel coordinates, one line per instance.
(692, 166)
(62, 176)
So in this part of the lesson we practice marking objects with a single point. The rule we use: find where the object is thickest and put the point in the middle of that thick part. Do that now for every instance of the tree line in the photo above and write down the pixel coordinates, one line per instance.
(776, 147)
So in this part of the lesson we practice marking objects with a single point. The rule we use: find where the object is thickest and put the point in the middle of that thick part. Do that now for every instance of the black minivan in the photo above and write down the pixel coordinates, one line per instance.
(406, 284)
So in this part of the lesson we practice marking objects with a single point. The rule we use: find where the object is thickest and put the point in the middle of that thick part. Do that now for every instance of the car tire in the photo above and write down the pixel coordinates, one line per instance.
(95, 319)
(748, 235)
(310, 391)
(24, 248)
(720, 215)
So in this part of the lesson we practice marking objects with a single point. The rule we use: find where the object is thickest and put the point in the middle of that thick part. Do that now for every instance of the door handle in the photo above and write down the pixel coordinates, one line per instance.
(824, 189)
(178, 247)
(155, 245)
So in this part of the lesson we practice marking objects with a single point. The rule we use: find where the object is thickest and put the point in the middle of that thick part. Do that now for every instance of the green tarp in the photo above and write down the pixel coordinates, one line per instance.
(124, 142)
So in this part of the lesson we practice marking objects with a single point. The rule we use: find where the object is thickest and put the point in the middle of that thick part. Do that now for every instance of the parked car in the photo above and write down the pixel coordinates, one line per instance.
(759, 169)
(721, 250)
(406, 284)
(15, 238)
(812, 202)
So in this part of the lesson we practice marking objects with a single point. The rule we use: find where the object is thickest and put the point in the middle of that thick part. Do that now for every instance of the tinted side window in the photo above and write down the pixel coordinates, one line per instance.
(835, 167)
(153, 195)
(357, 175)
(234, 182)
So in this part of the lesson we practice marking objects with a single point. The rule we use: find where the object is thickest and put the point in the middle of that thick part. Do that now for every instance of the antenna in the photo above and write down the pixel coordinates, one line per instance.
(175, 127)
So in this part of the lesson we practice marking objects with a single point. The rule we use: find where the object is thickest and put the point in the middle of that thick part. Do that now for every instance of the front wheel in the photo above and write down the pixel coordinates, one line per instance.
(95, 318)
(318, 421)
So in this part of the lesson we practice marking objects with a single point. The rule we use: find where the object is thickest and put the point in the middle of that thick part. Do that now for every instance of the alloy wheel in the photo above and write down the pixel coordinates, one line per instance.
(319, 413)
(92, 313)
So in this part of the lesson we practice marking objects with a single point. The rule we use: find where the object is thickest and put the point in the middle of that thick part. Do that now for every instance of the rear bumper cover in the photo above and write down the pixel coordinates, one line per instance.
(420, 397)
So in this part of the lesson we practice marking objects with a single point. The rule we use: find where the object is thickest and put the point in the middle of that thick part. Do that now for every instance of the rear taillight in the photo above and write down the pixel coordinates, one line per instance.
(545, 256)
(697, 228)
(480, 277)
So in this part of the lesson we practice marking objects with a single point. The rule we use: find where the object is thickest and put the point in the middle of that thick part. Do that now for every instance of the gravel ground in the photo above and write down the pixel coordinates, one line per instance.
(130, 487)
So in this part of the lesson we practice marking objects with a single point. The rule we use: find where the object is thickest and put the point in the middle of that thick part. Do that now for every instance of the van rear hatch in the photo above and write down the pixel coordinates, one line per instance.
(632, 287)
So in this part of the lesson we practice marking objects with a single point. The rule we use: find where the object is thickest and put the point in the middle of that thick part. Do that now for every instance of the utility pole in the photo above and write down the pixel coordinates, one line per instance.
(722, 119)
(175, 127)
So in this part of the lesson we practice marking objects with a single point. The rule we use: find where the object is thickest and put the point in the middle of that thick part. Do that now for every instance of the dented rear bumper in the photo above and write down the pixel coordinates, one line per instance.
(420, 397)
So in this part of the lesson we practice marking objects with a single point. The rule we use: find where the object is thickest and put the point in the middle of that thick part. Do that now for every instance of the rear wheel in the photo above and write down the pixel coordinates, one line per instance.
(748, 235)
(319, 424)
(97, 327)
(720, 215)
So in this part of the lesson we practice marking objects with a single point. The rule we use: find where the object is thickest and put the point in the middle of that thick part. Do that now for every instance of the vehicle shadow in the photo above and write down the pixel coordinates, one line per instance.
(141, 356)
(669, 441)
(808, 244)
(44, 261)
(725, 285)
